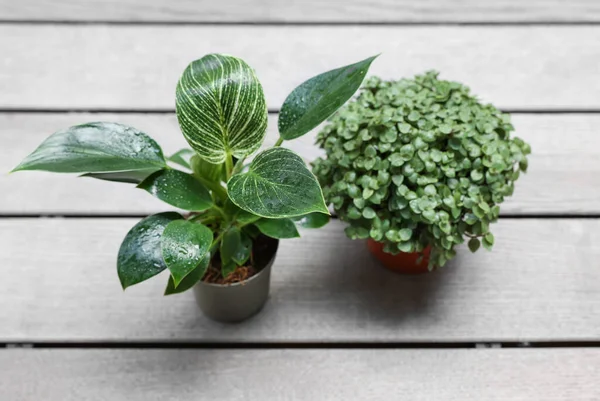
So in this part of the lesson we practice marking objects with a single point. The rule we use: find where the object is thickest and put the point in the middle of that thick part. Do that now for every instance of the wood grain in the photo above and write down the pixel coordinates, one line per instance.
(137, 67)
(369, 375)
(563, 178)
(58, 282)
(302, 11)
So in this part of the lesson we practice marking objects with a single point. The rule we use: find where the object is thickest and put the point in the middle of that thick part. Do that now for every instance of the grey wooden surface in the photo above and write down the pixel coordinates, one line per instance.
(325, 288)
(557, 182)
(137, 67)
(366, 375)
(336, 11)
(67, 62)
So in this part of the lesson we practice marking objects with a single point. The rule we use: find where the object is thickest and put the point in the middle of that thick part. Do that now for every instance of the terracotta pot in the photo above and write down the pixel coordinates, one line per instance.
(404, 263)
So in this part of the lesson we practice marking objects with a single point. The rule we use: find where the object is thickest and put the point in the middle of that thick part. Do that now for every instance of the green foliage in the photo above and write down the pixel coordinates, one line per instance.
(222, 114)
(140, 256)
(278, 228)
(184, 244)
(316, 99)
(178, 189)
(419, 162)
(95, 148)
(264, 191)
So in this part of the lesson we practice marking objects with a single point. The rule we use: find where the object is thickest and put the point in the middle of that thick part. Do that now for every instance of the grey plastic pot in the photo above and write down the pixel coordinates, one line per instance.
(239, 301)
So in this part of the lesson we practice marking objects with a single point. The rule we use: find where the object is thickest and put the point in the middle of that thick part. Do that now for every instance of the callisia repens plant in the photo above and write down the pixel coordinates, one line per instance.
(228, 202)
(419, 162)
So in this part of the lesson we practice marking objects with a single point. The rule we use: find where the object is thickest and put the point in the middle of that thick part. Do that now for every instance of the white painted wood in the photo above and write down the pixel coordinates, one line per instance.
(302, 10)
(58, 282)
(564, 175)
(366, 375)
(137, 67)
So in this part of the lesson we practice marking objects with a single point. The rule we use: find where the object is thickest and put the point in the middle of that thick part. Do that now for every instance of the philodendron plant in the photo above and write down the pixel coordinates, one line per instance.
(222, 114)
(419, 163)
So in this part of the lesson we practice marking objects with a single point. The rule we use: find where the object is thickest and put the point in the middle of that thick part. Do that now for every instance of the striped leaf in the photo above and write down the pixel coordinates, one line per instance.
(221, 108)
(277, 185)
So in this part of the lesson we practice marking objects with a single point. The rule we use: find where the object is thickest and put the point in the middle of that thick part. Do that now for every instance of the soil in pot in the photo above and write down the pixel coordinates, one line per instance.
(262, 246)
(404, 263)
(228, 300)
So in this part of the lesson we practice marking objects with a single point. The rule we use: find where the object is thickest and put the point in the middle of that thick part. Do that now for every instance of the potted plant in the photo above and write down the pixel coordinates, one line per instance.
(416, 167)
(225, 246)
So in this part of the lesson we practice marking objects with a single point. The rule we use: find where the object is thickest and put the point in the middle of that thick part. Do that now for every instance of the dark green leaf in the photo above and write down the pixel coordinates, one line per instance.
(277, 185)
(312, 220)
(474, 244)
(221, 107)
(191, 279)
(316, 99)
(184, 244)
(235, 250)
(94, 148)
(178, 189)
(182, 157)
(140, 255)
(277, 228)
(131, 177)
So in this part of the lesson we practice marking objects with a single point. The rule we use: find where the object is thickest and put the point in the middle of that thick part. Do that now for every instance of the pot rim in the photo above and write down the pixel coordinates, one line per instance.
(245, 282)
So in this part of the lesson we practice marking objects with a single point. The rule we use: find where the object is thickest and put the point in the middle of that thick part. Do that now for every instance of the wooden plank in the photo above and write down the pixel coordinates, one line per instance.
(29, 193)
(184, 374)
(564, 170)
(125, 67)
(58, 282)
(302, 11)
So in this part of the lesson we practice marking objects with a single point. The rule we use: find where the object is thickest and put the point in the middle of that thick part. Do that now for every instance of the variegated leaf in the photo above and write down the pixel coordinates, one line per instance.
(221, 107)
(276, 185)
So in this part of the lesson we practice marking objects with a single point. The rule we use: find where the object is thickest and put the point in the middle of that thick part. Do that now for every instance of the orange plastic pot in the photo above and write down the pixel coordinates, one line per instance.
(404, 263)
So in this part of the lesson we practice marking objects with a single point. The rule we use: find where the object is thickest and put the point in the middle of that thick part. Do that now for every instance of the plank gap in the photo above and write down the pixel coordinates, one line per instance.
(488, 23)
(295, 345)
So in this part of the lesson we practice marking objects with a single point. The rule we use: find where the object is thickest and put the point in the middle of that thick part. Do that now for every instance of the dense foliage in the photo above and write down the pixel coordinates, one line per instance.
(419, 162)
(222, 114)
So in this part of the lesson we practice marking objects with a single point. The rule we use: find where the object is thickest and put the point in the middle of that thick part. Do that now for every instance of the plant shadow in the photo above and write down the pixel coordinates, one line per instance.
(374, 293)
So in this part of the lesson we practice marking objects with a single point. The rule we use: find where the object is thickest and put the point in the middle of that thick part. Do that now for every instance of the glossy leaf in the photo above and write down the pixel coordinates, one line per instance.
(278, 228)
(94, 148)
(184, 244)
(277, 184)
(206, 170)
(178, 189)
(140, 255)
(235, 250)
(312, 220)
(131, 177)
(316, 99)
(221, 107)
(191, 279)
(182, 157)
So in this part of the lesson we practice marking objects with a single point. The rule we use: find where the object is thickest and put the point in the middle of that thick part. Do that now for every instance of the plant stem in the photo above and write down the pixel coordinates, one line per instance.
(217, 240)
(229, 165)
(220, 211)
(215, 187)
(279, 142)
(254, 220)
